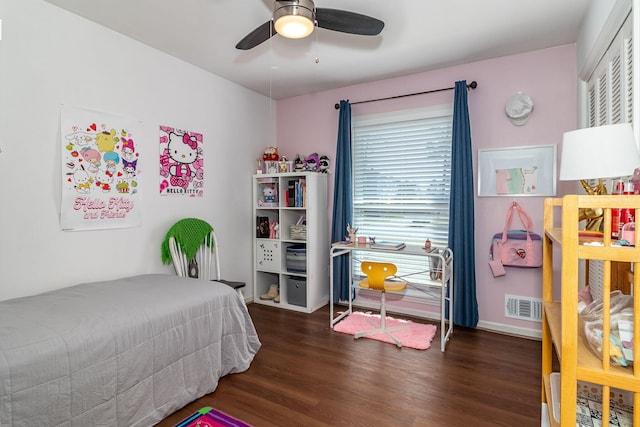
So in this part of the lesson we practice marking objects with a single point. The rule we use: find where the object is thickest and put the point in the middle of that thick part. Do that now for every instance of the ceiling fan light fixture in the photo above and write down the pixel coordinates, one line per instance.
(294, 19)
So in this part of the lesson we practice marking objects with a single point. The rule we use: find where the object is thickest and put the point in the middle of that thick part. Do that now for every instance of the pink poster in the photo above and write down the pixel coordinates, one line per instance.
(181, 163)
(100, 167)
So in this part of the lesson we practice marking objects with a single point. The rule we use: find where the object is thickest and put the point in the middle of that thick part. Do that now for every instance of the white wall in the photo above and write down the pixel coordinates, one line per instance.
(50, 57)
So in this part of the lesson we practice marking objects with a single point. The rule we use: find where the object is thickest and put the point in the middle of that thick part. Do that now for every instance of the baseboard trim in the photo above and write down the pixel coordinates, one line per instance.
(502, 328)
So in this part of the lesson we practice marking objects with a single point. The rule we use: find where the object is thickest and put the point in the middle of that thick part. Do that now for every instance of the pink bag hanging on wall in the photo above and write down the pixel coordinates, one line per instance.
(516, 248)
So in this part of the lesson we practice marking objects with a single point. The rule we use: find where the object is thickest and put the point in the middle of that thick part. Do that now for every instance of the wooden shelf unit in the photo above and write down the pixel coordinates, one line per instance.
(562, 329)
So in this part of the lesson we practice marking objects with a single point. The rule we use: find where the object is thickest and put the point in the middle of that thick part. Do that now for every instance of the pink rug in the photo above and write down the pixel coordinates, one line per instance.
(418, 336)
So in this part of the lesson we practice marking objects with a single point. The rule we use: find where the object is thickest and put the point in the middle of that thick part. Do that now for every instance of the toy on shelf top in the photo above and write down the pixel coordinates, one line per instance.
(311, 162)
(272, 162)
(271, 153)
(323, 164)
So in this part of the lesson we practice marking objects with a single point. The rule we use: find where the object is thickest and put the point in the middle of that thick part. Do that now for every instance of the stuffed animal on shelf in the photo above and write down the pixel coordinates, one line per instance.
(298, 163)
(270, 153)
(274, 227)
(311, 162)
(270, 192)
(323, 164)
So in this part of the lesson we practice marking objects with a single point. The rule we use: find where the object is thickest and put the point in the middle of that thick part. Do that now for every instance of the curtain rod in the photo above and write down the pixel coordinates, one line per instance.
(471, 85)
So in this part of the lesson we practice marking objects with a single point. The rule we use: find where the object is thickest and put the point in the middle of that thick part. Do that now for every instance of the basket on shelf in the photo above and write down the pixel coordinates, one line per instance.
(298, 232)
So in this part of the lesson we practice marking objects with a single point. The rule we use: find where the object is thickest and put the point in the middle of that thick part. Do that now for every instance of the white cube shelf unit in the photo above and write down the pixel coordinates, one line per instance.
(295, 255)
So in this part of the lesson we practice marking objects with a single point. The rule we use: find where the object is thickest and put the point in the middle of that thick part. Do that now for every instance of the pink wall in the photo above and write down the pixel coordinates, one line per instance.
(308, 124)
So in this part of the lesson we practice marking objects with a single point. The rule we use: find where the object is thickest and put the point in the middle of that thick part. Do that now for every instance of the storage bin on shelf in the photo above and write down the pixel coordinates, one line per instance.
(297, 258)
(298, 232)
(297, 292)
(620, 331)
(268, 255)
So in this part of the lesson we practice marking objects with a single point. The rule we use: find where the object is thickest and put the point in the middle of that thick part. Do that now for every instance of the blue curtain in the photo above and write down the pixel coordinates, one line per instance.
(342, 203)
(461, 214)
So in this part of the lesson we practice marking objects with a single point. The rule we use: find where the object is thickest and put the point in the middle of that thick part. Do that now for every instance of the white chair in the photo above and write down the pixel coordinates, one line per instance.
(203, 258)
(205, 263)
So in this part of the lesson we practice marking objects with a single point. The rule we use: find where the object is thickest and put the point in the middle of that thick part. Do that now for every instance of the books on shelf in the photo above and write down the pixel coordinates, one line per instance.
(388, 244)
(296, 193)
(291, 193)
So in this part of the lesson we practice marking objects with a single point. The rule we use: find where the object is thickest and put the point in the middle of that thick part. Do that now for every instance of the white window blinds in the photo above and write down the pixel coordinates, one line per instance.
(401, 177)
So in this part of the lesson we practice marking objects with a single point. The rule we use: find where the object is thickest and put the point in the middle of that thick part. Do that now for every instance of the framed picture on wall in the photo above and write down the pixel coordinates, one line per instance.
(517, 171)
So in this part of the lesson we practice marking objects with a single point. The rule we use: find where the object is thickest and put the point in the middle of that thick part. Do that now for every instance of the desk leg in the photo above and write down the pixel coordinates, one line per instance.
(331, 290)
(443, 305)
(333, 321)
(445, 332)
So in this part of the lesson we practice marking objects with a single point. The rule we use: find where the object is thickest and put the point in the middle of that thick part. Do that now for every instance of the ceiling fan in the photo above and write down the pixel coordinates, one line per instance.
(297, 18)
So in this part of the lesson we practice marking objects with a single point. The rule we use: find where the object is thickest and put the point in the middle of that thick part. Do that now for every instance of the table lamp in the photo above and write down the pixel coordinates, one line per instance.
(599, 152)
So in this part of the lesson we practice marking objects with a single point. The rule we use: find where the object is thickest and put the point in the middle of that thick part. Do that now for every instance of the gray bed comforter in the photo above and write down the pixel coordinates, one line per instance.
(126, 352)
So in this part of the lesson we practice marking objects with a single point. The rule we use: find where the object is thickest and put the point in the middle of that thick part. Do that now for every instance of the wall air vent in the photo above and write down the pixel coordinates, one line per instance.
(524, 308)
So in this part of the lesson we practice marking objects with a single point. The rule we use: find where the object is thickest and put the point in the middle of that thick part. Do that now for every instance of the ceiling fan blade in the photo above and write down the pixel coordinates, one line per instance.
(257, 36)
(348, 22)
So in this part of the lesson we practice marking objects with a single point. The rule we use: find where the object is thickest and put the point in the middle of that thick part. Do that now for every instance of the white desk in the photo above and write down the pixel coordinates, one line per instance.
(444, 279)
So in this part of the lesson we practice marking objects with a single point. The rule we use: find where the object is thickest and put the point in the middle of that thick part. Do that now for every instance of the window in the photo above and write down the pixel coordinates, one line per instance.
(401, 179)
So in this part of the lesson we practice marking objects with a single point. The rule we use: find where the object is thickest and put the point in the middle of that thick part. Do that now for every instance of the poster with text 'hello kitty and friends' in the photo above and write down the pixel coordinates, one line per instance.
(100, 170)
(181, 163)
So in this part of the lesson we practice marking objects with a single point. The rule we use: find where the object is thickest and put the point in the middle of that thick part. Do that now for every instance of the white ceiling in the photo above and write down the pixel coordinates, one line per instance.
(419, 35)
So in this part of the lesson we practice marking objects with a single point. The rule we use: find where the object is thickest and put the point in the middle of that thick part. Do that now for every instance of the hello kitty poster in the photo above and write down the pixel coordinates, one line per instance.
(181, 163)
(100, 170)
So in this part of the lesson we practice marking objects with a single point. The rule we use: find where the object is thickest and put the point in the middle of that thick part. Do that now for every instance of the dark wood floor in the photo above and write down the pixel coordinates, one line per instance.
(307, 375)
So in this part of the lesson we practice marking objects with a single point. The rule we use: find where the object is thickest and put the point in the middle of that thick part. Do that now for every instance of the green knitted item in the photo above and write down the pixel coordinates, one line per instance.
(190, 233)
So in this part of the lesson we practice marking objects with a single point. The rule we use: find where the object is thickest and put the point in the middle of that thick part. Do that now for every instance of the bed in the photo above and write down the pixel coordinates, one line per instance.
(125, 352)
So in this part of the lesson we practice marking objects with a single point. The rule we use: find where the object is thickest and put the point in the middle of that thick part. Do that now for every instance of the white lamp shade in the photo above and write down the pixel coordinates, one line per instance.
(599, 152)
